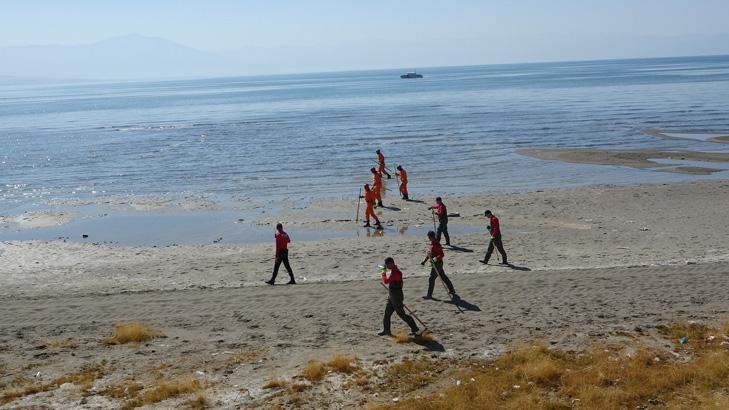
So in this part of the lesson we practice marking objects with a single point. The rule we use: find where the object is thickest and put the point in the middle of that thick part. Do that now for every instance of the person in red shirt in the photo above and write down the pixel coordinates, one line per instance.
(442, 213)
(495, 231)
(381, 163)
(369, 198)
(395, 299)
(282, 255)
(403, 181)
(436, 255)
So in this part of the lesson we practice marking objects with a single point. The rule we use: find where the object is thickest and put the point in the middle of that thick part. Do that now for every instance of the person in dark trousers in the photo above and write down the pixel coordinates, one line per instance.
(495, 231)
(442, 213)
(282, 255)
(436, 255)
(395, 299)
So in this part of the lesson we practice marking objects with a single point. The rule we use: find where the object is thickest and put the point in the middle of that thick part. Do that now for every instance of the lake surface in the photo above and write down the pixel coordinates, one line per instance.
(295, 138)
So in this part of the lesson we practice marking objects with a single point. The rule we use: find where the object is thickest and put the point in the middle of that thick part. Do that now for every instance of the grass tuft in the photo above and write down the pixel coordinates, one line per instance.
(402, 337)
(342, 363)
(132, 332)
(314, 371)
(199, 402)
(164, 390)
(276, 383)
(84, 378)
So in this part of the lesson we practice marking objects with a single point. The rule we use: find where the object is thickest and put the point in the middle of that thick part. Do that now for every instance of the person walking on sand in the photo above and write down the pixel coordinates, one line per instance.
(282, 255)
(369, 198)
(381, 162)
(495, 231)
(403, 181)
(442, 213)
(377, 185)
(395, 299)
(436, 255)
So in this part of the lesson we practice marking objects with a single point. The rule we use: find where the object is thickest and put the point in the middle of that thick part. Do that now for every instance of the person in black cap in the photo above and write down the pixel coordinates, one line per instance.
(442, 213)
(282, 255)
(395, 299)
(436, 255)
(495, 231)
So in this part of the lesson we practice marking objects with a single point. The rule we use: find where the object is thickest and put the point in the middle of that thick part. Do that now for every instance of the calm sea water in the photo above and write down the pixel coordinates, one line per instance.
(314, 135)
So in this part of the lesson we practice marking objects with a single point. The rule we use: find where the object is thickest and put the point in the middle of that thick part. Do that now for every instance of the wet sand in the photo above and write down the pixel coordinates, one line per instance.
(635, 159)
(588, 264)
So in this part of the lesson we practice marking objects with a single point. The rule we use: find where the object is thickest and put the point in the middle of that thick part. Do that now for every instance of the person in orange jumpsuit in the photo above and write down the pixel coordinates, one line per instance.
(369, 198)
(403, 182)
(377, 185)
(381, 161)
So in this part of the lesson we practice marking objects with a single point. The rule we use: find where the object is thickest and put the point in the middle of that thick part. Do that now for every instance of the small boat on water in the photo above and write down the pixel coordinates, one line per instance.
(411, 74)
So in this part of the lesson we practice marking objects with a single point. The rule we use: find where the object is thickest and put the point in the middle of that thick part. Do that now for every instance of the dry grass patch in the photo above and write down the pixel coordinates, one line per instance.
(628, 375)
(299, 387)
(125, 389)
(342, 363)
(276, 383)
(62, 343)
(314, 370)
(240, 357)
(163, 390)
(402, 337)
(199, 402)
(132, 332)
(84, 378)
(410, 375)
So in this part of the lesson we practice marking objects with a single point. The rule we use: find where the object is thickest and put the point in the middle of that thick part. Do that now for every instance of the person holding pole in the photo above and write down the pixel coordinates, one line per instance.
(369, 198)
(395, 299)
(442, 213)
(403, 181)
(377, 185)
(495, 231)
(282, 255)
(381, 162)
(435, 255)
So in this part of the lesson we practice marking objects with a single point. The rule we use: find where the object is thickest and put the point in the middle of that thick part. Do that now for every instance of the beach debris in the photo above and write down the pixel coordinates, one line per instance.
(85, 236)
(458, 382)
(645, 229)
(683, 340)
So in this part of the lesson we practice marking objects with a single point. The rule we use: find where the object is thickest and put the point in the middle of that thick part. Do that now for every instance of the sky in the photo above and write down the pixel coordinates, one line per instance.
(428, 32)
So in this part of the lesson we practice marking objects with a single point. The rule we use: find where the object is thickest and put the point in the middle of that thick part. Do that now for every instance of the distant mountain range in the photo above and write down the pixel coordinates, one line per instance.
(141, 57)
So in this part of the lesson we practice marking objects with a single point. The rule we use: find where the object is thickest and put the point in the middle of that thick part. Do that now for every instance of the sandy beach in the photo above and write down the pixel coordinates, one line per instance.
(589, 264)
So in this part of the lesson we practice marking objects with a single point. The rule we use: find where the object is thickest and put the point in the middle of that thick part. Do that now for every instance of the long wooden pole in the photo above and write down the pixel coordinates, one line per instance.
(440, 275)
(359, 197)
(425, 327)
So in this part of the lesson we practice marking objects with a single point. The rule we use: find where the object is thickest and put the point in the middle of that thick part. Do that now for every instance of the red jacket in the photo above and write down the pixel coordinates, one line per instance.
(282, 241)
(394, 279)
(440, 210)
(495, 230)
(436, 250)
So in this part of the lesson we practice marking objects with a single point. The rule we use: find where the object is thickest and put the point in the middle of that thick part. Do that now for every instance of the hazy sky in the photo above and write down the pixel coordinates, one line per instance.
(228, 24)
(294, 36)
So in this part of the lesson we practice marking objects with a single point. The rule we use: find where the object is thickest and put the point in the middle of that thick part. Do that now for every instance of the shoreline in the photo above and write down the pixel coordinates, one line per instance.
(601, 226)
